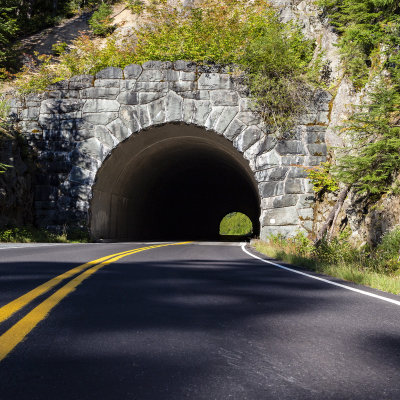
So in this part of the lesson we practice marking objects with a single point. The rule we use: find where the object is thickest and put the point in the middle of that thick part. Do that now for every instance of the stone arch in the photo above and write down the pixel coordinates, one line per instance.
(77, 124)
(174, 181)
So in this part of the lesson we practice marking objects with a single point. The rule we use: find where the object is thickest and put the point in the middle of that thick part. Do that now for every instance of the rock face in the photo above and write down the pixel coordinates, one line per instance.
(76, 124)
(16, 186)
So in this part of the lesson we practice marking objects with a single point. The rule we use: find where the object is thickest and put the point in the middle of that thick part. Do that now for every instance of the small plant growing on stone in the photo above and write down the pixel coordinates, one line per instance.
(321, 178)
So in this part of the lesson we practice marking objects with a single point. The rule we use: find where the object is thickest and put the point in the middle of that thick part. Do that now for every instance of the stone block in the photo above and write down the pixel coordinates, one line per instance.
(293, 160)
(297, 172)
(108, 83)
(187, 76)
(151, 86)
(321, 100)
(249, 118)
(81, 82)
(201, 110)
(313, 161)
(285, 147)
(105, 136)
(227, 116)
(213, 117)
(173, 107)
(272, 174)
(253, 152)
(196, 95)
(268, 160)
(81, 175)
(110, 93)
(127, 84)
(148, 97)
(110, 73)
(293, 186)
(60, 85)
(50, 106)
(100, 106)
(132, 71)
(305, 214)
(318, 150)
(120, 130)
(306, 200)
(269, 189)
(154, 65)
(157, 111)
(91, 147)
(101, 118)
(215, 81)
(186, 66)
(171, 75)
(31, 113)
(151, 75)
(224, 98)
(129, 97)
(288, 200)
(280, 216)
(188, 110)
(143, 116)
(247, 138)
(235, 128)
(129, 116)
(182, 86)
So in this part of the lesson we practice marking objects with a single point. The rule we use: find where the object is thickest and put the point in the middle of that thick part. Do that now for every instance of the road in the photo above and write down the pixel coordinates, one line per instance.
(188, 321)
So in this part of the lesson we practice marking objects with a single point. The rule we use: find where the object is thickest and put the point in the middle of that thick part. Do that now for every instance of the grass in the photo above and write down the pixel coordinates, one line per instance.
(369, 267)
(236, 224)
(34, 235)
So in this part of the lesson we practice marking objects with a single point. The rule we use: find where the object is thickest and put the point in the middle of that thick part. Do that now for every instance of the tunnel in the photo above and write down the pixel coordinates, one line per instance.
(172, 182)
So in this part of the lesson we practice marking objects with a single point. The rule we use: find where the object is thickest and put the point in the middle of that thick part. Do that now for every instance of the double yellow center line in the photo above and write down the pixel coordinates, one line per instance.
(13, 336)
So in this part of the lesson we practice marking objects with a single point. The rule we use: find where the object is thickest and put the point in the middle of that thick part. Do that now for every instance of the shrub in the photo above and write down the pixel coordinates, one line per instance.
(374, 157)
(368, 29)
(101, 21)
(246, 35)
(321, 178)
(237, 224)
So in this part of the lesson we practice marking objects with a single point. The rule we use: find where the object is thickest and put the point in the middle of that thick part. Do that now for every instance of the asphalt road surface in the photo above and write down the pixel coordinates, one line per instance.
(188, 321)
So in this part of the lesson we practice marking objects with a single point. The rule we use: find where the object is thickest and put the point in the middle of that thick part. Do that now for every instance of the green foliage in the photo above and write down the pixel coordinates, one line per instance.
(101, 21)
(378, 267)
(21, 17)
(369, 29)
(237, 224)
(274, 57)
(59, 48)
(136, 6)
(322, 179)
(30, 234)
(8, 30)
(374, 160)
(3, 167)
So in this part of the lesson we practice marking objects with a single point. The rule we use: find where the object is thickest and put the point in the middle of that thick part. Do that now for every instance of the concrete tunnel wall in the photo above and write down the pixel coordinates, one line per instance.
(141, 151)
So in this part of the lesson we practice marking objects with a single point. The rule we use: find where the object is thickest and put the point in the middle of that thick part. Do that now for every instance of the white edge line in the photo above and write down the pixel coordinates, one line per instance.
(322, 279)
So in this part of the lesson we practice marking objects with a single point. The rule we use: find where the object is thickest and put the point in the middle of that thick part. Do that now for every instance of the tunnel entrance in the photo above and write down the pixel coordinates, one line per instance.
(174, 182)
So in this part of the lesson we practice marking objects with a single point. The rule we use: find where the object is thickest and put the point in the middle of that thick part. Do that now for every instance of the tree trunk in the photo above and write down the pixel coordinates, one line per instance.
(332, 215)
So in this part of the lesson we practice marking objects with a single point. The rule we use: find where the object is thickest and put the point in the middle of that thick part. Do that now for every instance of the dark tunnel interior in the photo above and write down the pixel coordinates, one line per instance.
(174, 182)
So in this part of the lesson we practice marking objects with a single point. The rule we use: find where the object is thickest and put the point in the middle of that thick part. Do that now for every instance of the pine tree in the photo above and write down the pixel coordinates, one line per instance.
(375, 156)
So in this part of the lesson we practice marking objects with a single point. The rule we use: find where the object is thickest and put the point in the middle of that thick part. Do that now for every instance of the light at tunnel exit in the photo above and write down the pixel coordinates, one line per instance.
(170, 183)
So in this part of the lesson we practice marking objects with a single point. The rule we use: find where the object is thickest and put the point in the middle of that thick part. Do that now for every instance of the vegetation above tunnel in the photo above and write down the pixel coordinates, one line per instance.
(248, 36)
